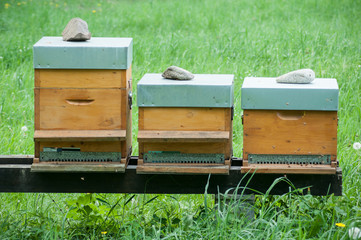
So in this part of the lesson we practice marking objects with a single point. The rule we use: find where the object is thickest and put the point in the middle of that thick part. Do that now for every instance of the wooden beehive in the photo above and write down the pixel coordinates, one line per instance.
(185, 126)
(289, 128)
(83, 102)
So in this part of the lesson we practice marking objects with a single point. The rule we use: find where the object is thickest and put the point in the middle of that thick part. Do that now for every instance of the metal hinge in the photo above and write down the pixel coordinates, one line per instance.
(232, 113)
(177, 157)
(130, 99)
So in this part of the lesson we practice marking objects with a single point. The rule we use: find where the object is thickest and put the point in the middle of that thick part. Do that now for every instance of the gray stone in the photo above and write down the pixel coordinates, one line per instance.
(76, 30)
(298, 76)
(177, 73)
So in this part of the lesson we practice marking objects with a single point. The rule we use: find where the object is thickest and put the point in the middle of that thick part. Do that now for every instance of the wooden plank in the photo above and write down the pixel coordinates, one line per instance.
(80, 78)
(80, 109)
(188, 147)
(182, 136)
(16, 176)
(288, 169)
(228, 119)
(79, 135)
(36, 78)
(334, 163)
(181, 169)
(129, 78)
(71, 168)
(184, 119)
(36, 109)
(124, 108)
(127, 75)
(16, 159)
(245, 163)
(124, 161)
(289, 132)
(141, 119)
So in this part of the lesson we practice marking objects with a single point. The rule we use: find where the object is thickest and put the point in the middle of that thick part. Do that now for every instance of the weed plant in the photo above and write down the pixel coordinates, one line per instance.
(245, 38)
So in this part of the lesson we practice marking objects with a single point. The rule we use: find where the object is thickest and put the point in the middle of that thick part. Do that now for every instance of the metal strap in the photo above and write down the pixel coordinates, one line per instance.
(177, 157)
(288, 159)
(74, 155)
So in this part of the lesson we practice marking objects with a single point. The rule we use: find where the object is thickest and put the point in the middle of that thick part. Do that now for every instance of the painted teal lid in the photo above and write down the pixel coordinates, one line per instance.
(266, 93)
(96, 53)
(204, 90)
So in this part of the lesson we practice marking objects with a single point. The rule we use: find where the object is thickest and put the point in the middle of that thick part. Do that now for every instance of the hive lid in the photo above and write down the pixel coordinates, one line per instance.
(204, 90)
(96, 53)
(266, 93)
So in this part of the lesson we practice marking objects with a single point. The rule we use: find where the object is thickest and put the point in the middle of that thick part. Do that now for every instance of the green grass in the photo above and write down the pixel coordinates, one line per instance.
(245, 38)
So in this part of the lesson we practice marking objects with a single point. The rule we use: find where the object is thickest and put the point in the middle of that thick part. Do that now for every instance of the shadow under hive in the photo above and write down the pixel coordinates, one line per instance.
(185, 126)
(289, 128)
(83, 101)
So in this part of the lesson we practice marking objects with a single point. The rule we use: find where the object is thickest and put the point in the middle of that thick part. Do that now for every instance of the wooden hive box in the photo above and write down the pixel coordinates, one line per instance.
(82, 104)
(289, 128)
(185, 127)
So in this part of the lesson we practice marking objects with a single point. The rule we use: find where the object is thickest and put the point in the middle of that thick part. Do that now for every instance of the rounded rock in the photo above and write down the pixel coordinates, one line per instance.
(76, 30)
(177, 73)
(299, 76)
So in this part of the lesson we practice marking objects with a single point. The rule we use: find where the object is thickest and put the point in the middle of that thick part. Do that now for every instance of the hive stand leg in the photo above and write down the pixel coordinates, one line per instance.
(237, 205)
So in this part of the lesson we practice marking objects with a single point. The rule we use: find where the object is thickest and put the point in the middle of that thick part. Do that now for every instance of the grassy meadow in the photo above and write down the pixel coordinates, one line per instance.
(246, 38)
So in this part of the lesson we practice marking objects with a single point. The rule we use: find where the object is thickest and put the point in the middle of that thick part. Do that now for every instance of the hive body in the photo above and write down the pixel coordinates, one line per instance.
(185, 126)
(82, 100)
(289, 127)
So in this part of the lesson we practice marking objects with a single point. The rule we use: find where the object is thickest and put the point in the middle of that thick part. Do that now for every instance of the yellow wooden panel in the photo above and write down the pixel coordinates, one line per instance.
(80, 109)
(36, 109)
(182, 136)
(79, 167)
(184, 119)
(289, 132)
(79, 135)
(187, 147)
(106, 146)
(288, 169)
(182, 169)
(81, 78)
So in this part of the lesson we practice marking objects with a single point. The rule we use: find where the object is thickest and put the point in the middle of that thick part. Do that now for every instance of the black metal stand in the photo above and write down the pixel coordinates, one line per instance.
(15, 176)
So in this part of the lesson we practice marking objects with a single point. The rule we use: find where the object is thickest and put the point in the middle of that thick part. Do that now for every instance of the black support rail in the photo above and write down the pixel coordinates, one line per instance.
(15, 176)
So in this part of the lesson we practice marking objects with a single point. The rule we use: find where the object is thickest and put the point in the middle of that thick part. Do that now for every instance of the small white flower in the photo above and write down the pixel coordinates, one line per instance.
(357, 145)
(24, 129)
(354, 233)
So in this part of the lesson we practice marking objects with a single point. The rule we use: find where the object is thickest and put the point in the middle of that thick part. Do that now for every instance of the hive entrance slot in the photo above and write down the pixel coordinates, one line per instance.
(289, 159)
(183, 158)
(66, 154)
